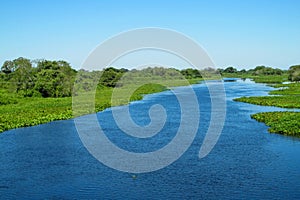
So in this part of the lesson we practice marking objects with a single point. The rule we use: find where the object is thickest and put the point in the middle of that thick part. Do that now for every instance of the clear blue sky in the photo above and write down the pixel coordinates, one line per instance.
(242, 33)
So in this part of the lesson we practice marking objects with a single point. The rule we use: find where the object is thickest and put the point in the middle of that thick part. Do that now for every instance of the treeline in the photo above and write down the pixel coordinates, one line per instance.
(257, 71)
(45, 78)
(293, 72)
(41, 78)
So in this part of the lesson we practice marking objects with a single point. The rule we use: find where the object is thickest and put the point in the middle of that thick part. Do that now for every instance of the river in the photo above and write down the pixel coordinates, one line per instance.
(49, 161)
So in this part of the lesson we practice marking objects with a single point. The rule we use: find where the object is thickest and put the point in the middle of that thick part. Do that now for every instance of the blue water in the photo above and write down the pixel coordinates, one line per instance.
(50, 162)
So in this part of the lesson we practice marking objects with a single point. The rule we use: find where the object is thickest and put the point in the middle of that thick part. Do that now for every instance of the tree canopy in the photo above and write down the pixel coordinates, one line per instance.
(230, 70)
(294, 73)
(46, 78)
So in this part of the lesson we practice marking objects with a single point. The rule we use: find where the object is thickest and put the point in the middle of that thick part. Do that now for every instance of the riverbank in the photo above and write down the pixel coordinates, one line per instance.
(44, 155)
(30, 111)
(286, 96)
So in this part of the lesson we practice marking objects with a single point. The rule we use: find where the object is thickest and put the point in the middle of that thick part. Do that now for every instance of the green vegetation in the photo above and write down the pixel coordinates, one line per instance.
(30, 111)
(33, 111)
(40, 91)
(286, 96)
(259, 74)
(270, 79)
(6, 98)
(294, 73)
(286, 101)
(292, 89)
(286, 123)
(191, 73)
(47, 79)
(146, 89)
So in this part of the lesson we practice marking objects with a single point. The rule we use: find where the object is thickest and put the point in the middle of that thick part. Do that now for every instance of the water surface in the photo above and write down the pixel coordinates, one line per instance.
(49, 161)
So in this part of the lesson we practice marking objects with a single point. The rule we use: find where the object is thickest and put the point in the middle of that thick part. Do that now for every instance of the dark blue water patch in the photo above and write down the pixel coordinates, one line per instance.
(49, 161)
(139, 113)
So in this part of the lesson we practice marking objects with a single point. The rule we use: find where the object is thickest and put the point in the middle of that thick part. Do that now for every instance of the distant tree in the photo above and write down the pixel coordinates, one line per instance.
(230, 70)
(261, 67)
(262, 70)
(243, 71)
(85, 80)
(7, 67)
(220, 70)
(49, 83)
(250, 71)
(22, 75)
(54, 78)
(294, 73)
(191, 73)
(110, 77)
(174, 73)
(39, 77)
(278, 71)
(209, 72)
(12, 66)
(124, 70)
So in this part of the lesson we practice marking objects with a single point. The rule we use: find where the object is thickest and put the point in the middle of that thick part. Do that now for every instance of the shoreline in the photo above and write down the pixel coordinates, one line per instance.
(281, 122)
(35, 111)
(32, 111)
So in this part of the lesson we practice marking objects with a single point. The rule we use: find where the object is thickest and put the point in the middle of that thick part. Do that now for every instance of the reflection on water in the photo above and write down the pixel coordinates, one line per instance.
(49, 161)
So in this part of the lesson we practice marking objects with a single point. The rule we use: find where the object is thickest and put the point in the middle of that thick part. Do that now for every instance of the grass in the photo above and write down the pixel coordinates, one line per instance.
(34, 111)
(7, 98)
(286, 101)
(287, 96)
(19, 112)
(292, 89)
(259, 78)
(270, 79)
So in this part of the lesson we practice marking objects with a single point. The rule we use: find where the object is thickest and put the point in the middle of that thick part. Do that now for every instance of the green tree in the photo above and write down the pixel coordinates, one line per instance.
(294, 73)
(190, 73)
(262, 70)
(230, 70)
(22, 76)
(85, 80)
(7, 67)
(54, 78)
(110, 77)
(243, 71)
(47, 79)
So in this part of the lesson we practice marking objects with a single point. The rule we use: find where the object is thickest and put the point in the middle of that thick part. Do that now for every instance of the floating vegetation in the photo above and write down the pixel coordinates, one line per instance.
(286, 123)
(287, 96)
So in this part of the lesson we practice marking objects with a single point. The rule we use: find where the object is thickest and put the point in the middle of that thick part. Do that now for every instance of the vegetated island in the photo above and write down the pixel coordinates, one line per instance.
(286, 96)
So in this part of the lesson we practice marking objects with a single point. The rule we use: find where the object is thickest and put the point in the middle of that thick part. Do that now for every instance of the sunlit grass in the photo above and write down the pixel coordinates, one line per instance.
(23, 112)
(288, 96)
(287, 101)
(286, 123)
